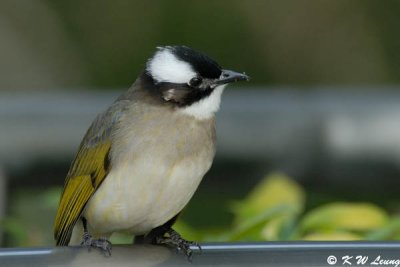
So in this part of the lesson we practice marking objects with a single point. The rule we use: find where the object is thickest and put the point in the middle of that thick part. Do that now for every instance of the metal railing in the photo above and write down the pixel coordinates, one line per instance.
(217, 254)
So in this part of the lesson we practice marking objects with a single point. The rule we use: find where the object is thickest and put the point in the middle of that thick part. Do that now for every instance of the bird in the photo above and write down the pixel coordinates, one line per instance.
(142, 159)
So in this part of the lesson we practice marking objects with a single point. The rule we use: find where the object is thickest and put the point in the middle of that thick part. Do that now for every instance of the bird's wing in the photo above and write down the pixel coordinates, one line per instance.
(87, 172)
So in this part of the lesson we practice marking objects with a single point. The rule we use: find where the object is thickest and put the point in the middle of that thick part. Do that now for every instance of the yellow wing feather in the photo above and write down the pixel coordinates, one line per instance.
(86, 174)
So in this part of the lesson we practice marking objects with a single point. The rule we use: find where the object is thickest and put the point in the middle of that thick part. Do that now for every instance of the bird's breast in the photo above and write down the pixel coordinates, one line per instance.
(155, 170)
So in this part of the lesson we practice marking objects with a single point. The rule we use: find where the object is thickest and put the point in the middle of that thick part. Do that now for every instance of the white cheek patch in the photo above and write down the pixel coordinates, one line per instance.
(206, 107)
(166, 67)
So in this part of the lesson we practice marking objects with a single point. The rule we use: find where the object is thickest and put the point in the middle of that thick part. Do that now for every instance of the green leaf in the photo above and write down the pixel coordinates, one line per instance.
(15, 229)
(281, 228)
(250, 229)
(187, 231)
(391, 231)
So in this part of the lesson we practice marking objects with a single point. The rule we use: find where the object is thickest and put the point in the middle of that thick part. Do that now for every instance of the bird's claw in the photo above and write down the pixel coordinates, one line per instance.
(174, 239)
(102, 243)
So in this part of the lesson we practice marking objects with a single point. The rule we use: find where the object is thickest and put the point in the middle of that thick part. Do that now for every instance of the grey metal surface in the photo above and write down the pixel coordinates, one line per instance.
(218, 254)
(272, 124)
(46, 124)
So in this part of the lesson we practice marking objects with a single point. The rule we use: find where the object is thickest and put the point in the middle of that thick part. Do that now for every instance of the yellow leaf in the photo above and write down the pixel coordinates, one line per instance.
(271, 229)
(348, 216)
(332, 236)
(277, 189)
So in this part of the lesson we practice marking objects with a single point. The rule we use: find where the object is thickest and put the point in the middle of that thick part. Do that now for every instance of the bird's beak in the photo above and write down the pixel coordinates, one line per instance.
(229, 76)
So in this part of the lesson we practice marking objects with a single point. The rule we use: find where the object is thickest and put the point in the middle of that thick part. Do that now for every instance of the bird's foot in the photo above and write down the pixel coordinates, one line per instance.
(174, 239)
(102, 243)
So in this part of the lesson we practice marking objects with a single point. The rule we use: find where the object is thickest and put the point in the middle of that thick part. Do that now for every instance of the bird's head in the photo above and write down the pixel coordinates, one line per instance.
(189, 80)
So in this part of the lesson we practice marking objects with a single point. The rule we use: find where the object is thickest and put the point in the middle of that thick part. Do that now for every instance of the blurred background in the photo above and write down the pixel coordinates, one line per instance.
(309, 149)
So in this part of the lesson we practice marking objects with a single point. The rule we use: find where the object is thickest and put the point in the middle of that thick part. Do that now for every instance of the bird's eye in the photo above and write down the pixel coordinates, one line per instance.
(196, 81)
